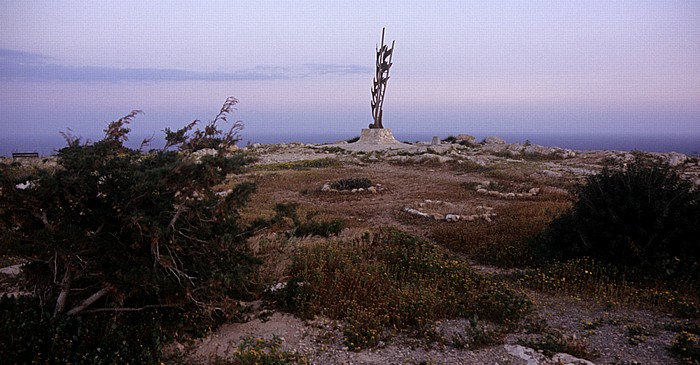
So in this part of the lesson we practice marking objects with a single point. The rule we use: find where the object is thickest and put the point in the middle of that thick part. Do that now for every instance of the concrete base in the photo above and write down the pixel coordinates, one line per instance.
(377, 136)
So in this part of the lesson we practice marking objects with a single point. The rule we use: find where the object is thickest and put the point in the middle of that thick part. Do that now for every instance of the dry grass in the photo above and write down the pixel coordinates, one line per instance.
(504, 241)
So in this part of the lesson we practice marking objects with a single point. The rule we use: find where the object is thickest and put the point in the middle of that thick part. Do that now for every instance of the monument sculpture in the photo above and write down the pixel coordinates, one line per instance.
(383, 64)
(376, 134)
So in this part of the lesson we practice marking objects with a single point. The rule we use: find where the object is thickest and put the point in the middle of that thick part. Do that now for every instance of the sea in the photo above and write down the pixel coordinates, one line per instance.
(689, 144)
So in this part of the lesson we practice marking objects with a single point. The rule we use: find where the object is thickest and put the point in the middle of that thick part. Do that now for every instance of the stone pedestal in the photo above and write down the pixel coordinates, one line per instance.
(377, 136)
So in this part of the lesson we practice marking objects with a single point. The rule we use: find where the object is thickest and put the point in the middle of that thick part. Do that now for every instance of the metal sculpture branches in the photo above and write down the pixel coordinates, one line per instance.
(381, 76)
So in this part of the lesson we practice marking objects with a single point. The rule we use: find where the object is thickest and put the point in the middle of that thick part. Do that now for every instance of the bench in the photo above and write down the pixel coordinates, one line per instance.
(25, 154)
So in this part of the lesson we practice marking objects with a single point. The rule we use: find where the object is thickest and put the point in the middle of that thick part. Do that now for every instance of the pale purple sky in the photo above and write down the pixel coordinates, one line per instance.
(307, 66)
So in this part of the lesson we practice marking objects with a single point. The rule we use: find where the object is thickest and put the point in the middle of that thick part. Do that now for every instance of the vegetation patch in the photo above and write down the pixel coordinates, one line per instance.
(286, 213)
(505, 241)
(318, 163)
(686, 348)
(399, 281)
(256, 351)
(351, 183)
(609, 284)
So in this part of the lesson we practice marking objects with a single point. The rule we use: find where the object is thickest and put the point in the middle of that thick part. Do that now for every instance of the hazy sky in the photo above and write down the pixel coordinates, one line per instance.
(307, 66)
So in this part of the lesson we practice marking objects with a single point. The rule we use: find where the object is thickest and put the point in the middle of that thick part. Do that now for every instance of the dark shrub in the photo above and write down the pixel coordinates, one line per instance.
(308, 227)
(351, 183)
(642, 215)
(122, 229)
(29, 335)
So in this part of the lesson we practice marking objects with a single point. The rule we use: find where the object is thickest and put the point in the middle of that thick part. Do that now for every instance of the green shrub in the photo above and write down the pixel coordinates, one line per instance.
(116, 238)
(259, 351)
(686, 348)
(318, 163)
(641, 215)
(351, 183)
(307, 227)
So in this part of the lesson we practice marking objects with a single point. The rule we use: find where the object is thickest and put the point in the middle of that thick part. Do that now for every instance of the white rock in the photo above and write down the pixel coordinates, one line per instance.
(534, 191)
(416, 212)
(675, 158)
(466, 138)
(372, 189)
(482, 191)
(551, 173)
(452, 217)
(25, 185)
(494, 140)
(566, 359)
(326, 188)
(11, 270)
(525, 353)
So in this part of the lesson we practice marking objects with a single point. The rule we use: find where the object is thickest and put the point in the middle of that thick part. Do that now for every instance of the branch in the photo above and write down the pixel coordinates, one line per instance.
(63, 295)
(131, 309)
(44, 219)
(87, 302)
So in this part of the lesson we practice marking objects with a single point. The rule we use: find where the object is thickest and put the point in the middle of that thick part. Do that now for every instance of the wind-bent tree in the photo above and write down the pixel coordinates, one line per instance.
(116, 229)
(383, 64)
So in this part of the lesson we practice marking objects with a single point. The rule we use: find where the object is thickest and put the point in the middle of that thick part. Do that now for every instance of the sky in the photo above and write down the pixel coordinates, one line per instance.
(597, 67)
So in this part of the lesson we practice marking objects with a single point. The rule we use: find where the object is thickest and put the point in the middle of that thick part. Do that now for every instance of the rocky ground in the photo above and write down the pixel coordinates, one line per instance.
(435, 184)
(443, 183)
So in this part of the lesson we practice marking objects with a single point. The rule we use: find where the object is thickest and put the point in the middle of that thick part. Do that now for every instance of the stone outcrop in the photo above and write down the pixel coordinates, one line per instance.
(534, 357)
(448, 212)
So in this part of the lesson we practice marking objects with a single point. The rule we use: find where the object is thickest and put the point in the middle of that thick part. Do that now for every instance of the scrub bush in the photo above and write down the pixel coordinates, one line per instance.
(641, 215)
(115, 232)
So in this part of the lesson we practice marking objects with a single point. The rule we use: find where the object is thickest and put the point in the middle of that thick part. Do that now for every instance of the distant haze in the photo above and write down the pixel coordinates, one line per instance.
(593, 67)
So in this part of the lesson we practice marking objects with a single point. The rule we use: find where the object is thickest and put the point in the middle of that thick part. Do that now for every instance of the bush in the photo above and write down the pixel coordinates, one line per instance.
(641, 215)
(115, 230)
(308, 227)
(686, 348)
(351, 183)
(399, 281)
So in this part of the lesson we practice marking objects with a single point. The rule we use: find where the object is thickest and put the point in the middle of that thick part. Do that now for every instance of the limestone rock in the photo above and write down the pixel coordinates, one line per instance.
(675, 158)
(494, 140)
(452, 217)
(566, 359)
(465, 138)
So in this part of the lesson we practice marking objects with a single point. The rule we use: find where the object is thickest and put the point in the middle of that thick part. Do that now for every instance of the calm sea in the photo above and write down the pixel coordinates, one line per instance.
(689, 144)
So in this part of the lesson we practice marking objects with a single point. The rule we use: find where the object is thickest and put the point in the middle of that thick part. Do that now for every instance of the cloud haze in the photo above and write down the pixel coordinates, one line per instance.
(24, 66)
